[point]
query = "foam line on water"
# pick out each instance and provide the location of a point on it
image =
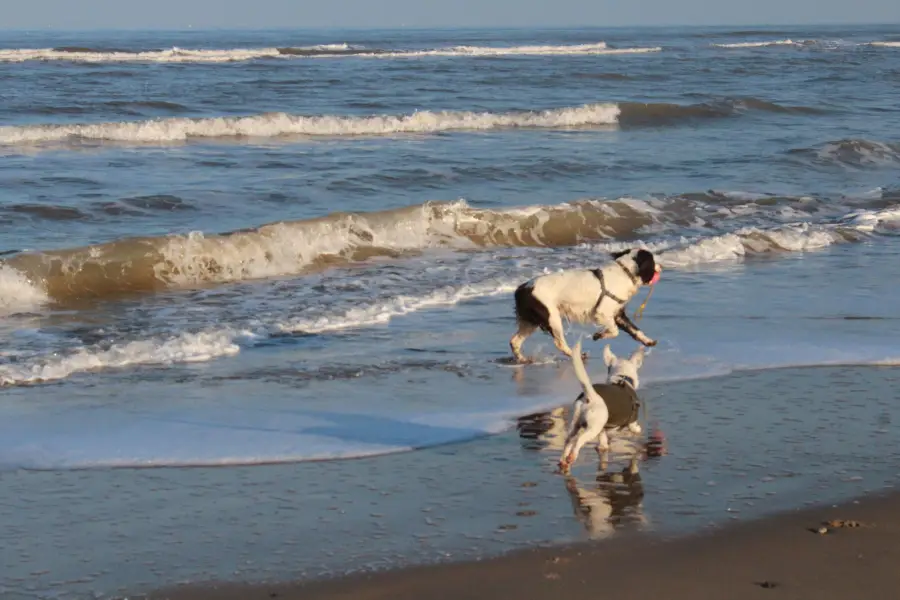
(200, 55)
(180, 348)
(281, 124)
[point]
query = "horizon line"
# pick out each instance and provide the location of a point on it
(182, 28)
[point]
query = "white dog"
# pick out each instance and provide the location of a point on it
(603, 406)
(595, 296)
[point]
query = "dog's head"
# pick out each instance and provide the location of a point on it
(644, 263)
(623, 370)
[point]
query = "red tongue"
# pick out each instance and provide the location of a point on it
(655, 278)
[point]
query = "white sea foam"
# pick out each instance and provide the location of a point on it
(184, 55)
(587, 49)
(762, 44)
(280, 124)
(209, 345)
(173, 55)
(894, 44)
(17, 294)
(181, 348)
(885, 221)
(801, 237)
(383, 312)
(859, 152)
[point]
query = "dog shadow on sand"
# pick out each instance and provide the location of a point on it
(613, 498)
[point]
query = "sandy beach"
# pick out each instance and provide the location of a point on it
(785, 556)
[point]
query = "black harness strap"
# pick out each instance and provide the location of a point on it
(605, 293)
(624, 380)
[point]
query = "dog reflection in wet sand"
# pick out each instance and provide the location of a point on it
(615, 501)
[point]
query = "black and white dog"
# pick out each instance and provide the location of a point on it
(595, 296)
(603, 407)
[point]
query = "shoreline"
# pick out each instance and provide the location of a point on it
(782, 554)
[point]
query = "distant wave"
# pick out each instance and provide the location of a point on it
(638, 113)
(586, 49)
(271, 125)
(178, 55)
(762, 44)
(282, 124)
(852, 152)
(895, 44)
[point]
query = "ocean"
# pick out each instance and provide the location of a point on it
(238, 247)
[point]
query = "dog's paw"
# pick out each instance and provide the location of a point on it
(585, 355)
(649, 343)
(598, 335)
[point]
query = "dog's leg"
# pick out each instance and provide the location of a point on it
(554, 321)
(603, 441)
(518, 338)
(609, 327)
(588, 433)
(631, 329)
(576, 423)
(603, 449)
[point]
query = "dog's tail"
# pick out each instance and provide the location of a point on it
(590, 394)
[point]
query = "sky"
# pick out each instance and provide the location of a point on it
(177, 14)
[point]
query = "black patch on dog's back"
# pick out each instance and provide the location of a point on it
(621, 401)
(646, 265)
(531, 310)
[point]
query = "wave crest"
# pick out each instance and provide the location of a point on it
(283, 124)
(200, 55)
(762, 44)
(273, 125)
(852, 152)
(307, 246)
(290, 248)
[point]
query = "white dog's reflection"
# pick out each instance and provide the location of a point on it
(614, 501)
(615, 498)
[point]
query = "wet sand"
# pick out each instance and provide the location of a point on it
(785, 556)
(737, 452)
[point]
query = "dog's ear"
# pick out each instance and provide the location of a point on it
(608, 357)
(646, 265)
(637, 357)
(618, 255)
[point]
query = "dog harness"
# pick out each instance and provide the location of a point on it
(621, 401)
(605, 293)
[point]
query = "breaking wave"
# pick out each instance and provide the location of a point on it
(185, 55)
(885, 44)
(852, 152)
(764, 44)
(273, 125)
(282, 124)
(754, 241)
(182, 348)
(684, 232)
(307, 246)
